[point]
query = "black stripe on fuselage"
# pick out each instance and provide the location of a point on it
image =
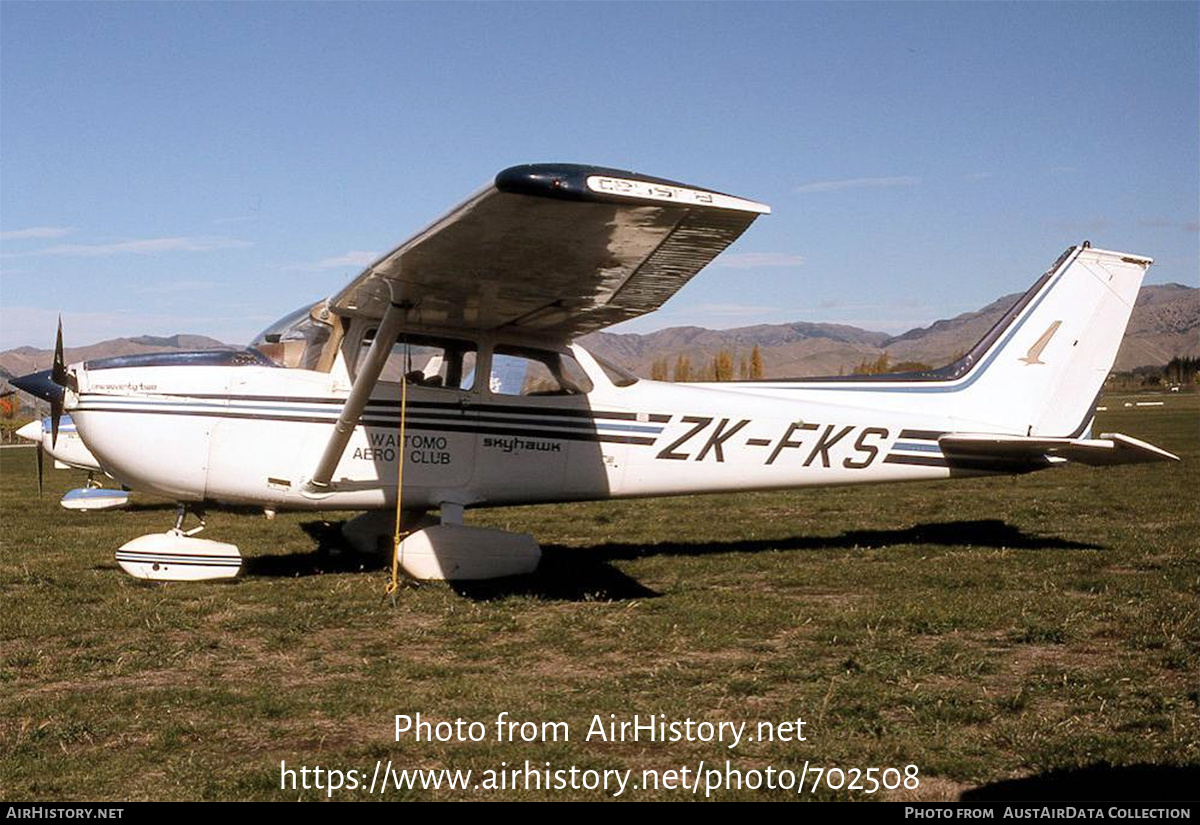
(653, 418)
(916, 460)
(921, 435)
(366, 421)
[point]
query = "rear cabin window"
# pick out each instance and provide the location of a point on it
(530, 372)
(426, 362)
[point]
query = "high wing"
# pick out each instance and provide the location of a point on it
(553, 249)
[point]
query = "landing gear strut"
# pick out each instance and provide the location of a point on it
(181, 513)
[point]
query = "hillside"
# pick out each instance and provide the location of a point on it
(24, 360)
(1165, 324)
(787, 349)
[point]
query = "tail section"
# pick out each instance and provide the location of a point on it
(1040, 370)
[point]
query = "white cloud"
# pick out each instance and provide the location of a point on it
(859, 183)
(147, 246)
(755, 260)
(354, 258)
(36, 232)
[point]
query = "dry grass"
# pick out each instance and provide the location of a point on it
(1043, 626)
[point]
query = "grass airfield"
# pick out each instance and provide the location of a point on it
(1025, 637)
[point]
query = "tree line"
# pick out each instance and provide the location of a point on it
(723, 366)
(729, 366)
(1180, 371)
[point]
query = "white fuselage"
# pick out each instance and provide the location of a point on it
(252, 434)
(538, 431)
(550, 423)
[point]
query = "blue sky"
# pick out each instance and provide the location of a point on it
(206, 167)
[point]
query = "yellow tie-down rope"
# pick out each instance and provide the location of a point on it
(394, 584)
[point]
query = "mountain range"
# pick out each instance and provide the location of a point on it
(24, 360)
(1165, 324)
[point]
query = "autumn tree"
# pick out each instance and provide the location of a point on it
(876, 367)
(658, 370)
(683, 368)
(757, 370)
(723, 366)
(10, 406)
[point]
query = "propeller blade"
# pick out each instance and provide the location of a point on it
(59, 373)
(40, 461)
(56, 411)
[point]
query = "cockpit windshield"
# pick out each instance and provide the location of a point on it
(296, 340)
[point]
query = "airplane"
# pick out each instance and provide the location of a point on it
(69, 452)
(444, 377)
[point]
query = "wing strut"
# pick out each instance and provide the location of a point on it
(364, 382)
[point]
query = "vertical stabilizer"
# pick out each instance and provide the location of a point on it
(1045, 368)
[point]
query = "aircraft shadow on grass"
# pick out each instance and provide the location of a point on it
(1101, 781)
(586, 573)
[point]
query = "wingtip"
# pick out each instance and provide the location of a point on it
(577, 181)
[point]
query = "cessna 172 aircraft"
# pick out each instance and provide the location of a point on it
(444, 377)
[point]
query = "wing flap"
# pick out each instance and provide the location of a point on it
(1013, 450)
(557, 250)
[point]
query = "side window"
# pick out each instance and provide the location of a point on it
(520, 371)
(426, 362)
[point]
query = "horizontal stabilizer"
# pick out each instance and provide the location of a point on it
(1109, 449)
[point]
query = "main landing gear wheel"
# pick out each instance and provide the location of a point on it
(177, 556)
